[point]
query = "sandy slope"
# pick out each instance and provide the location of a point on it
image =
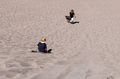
(88, 50)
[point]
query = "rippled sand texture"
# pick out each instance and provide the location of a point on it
(86, 50)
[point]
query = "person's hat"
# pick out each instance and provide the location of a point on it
(43, 39)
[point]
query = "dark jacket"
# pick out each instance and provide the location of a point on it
(72, 14)
(42, 47)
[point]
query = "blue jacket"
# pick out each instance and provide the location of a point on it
(42, 47)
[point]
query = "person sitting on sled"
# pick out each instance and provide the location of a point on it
(42, 46)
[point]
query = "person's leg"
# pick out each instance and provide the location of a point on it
(33, 50)
(42, 51)
(49, 51)
(45, 51)
(68, 18)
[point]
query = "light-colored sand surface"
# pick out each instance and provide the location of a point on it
(88, 50)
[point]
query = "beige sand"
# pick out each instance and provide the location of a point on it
(88, 50)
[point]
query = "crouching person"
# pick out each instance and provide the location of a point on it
(42, 46)
(72, 15)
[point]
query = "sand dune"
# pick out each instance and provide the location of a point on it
(88, 50)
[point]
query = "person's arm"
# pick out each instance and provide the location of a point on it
(45, 46)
